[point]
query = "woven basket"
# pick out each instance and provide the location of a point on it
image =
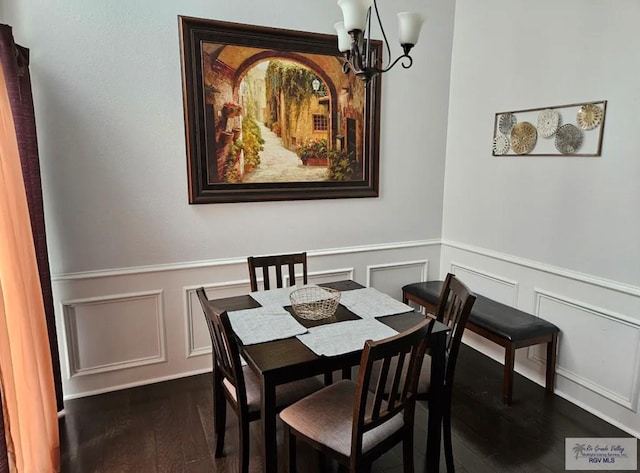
(314, 302)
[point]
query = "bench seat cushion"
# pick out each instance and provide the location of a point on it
(507, 322)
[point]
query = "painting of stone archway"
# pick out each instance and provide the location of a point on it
(271, 115)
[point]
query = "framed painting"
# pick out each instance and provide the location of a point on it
(270, 115)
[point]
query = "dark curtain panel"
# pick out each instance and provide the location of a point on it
(15, 63)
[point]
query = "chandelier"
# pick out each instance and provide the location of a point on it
(354, 37)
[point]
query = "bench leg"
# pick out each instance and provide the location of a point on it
(507, 382)
(552, 347)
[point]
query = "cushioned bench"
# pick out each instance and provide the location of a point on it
(500, 323)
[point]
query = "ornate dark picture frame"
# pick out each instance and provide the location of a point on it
(270, 115)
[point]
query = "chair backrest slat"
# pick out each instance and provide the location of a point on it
(276, 263)
(279, 275)
(380, 386)
(396, 394)
(292, 274)
(401, 353)
(265, 277)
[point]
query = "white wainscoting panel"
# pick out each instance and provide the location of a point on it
(198, 339)
(489, 285)
(598, 364)
(114, 332)
(132, 326)
(390, 277)
(319, 277)
(598, 350)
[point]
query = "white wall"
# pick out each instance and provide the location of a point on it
(557, 236)
(577, 213)
(108, 93)
(126, 249)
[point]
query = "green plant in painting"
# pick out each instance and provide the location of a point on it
(252, 141)
(290, 84)
(342, 165)
(231, 172)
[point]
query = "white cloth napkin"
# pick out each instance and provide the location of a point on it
(344, 337)
(264, 324)
(370, 303)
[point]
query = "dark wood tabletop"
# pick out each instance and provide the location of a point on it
(281, 361)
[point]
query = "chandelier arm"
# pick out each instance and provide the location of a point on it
(409, 64)
(346, 64)
(400, 58)
(356, 53)
(367, 42)
(384, 35)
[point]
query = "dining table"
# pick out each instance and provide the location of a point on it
(288, 359)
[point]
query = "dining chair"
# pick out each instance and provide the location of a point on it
(238, 385)
(276, 263)
(454, 307)
(354, 425)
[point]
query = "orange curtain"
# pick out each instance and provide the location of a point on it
(26, 375)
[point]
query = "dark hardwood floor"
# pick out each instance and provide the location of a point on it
(167, 427)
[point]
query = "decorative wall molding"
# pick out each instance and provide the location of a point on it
(511, 285)
(629, 401)
(233, 261)
(423, 264)
(72, 352)
(189, 295)
(142, 382)
(554, 270)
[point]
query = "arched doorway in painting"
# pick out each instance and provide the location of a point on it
(289, 100)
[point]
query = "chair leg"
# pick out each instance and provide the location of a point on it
(219, 421)
(324, 464)
(328, 378)
(364, 468)
(446, 434)
(289, 449)
(243, 454)
(407, 453)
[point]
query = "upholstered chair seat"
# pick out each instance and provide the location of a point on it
(326, 417)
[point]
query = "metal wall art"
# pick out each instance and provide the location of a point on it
(563, 130)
